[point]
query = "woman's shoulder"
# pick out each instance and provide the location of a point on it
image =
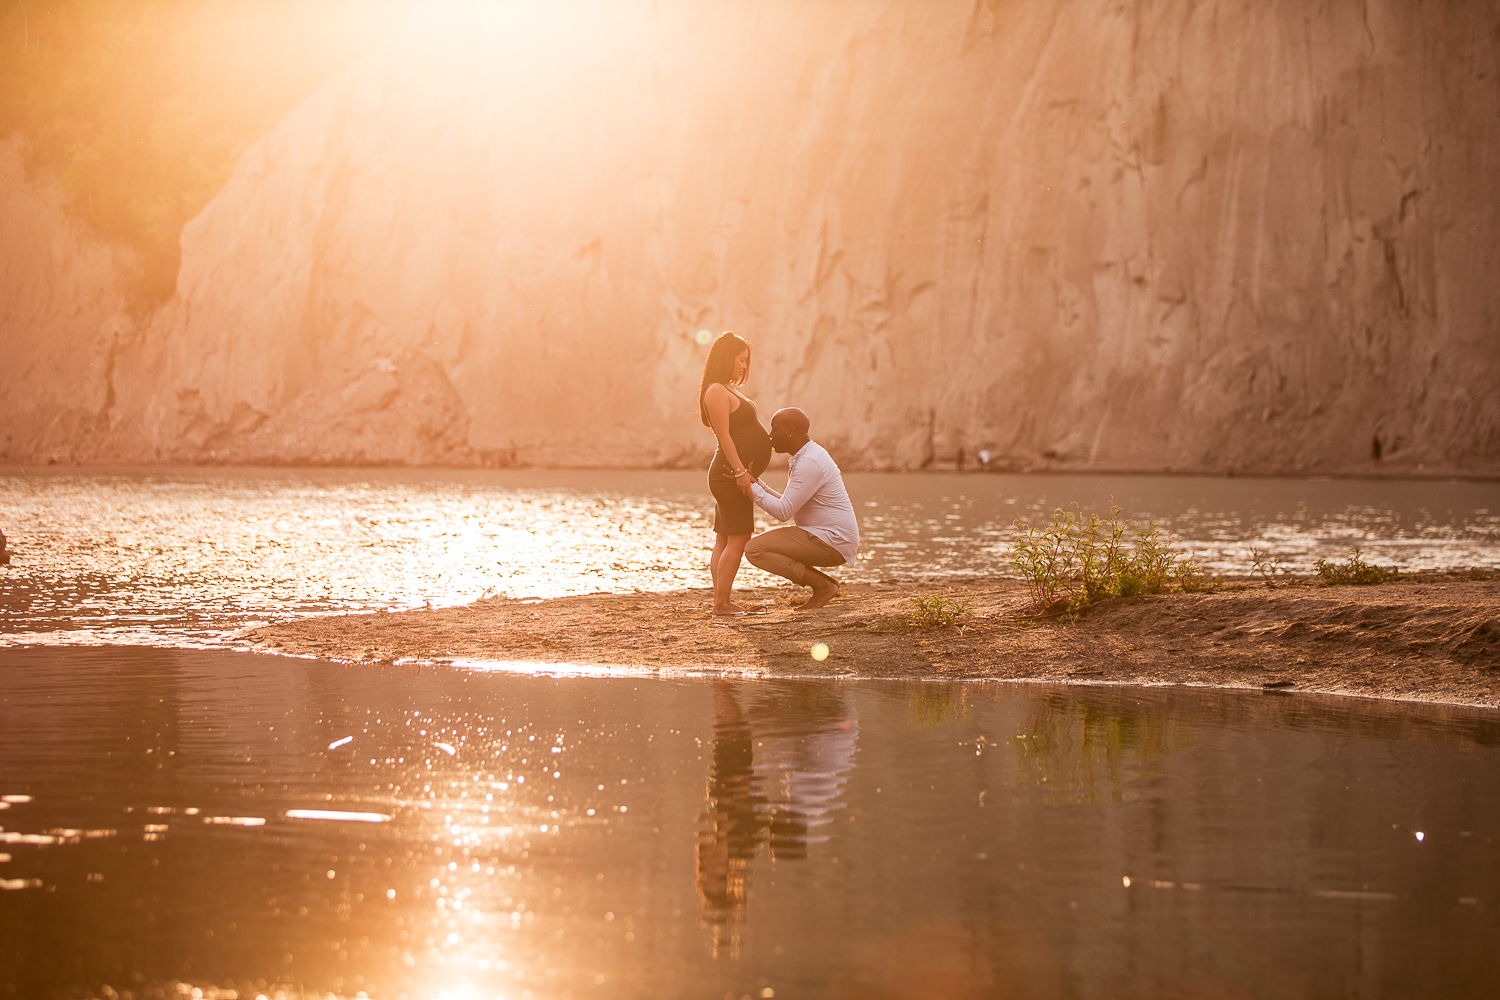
(719, 391)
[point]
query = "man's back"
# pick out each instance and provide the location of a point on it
(816, 499)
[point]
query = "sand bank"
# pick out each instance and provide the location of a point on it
(1433, 638)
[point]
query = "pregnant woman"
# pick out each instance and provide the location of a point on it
(744, 451)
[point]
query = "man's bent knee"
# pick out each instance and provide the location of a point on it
(778, 564)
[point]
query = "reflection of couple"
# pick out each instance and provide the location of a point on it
(781, 758)
(826, 533)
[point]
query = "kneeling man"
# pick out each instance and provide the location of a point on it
(826, 533)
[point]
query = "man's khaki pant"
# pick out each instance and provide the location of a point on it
(789, 552)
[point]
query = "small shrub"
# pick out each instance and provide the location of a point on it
(936, 610)
(1192, 580)
(1154, 566)
(1081, 559)
(1042, 556)
(1077, 605)
(1269, 566)
(1480, 574)
(1353, 570)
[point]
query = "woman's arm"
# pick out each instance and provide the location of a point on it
(716, 400)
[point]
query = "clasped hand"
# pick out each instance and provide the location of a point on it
(744, 483)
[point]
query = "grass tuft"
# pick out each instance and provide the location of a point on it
(1353, 570)
(1081, 559)
(1192, 580)
(936, 610)
(1268, 565)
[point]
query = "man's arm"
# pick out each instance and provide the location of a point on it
(804, 482)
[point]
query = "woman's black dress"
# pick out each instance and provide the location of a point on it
(734, 514)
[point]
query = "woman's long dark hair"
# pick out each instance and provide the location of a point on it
(720, 367)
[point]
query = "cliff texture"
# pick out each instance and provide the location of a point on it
(62, 315)
(1128, 235)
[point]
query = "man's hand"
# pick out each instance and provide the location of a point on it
(744, 483)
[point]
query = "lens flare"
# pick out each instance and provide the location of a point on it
(337, 815)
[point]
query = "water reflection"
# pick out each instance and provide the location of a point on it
(1074, 749)
(782, 753)
(236, 823)
(934, 705)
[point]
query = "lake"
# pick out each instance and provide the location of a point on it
(212, 823)
(184, 557)
(178, 819)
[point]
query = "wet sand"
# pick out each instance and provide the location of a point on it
(1428, 638)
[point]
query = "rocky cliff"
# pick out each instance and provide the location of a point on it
(1126, 235)
(62, 317)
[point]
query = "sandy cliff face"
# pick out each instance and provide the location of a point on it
(62, 320)
(1135, 235)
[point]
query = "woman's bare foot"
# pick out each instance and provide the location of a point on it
(729, 609)
(824, 589)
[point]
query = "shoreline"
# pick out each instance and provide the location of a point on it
(1433, 638)
(33, 464)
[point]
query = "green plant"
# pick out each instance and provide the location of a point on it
(936, 610)
(1077, 605)
(1042, 556)
(1081, 559)
(1353, 570)
(1269, 566)
(1192, 580)
(1479, 574)
(1153, 565)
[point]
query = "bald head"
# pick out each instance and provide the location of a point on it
(792, 419)
(789, 430)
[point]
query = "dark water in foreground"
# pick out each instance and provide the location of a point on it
(531, 837)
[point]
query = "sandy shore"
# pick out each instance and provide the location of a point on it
(1427, 638)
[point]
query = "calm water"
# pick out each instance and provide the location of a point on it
(533, 837)
(183, 557)
(183, 819)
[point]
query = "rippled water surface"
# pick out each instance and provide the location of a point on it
(239, 825)
(184, 556)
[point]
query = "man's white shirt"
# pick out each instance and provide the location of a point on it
(815, 497)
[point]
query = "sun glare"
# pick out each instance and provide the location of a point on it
(529, 41)
(140, 109)
(518, 21)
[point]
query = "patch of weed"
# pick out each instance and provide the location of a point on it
(1268, 565)
(1353, 570)
(936, 610)
(1480, 574)
(1077, 605)
(1081, 559)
